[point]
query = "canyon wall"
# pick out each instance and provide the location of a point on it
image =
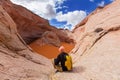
(96, 55)
(17, 60)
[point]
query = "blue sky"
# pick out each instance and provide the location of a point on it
(62, 13)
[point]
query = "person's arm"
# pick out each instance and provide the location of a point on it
(57, 60)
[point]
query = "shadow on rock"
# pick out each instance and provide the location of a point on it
(78, 69)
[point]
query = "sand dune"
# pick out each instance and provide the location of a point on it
(50, 51)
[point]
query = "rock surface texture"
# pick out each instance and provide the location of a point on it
(96, 55)
(17, 60)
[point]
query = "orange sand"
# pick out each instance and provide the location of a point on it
(50, 51)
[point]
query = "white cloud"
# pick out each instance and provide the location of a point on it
(50, 12)
(91, 0)
(44, 8)
(59, 2)
(111, 0)
(101, 4)
(72, 18)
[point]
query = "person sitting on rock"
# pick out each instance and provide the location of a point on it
(63, 62)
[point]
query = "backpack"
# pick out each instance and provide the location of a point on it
(68, 62)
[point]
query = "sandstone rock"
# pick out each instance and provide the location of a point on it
(69, 36)
(48, 37)
(17, 60)
(96, 54)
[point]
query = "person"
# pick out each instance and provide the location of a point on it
(63, 62)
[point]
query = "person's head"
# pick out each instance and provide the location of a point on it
(61, 49)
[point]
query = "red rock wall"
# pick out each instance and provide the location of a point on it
(16, 57)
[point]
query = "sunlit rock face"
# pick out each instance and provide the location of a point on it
(96, 55)
(17, 60)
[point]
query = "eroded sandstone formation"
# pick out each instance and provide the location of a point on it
(97, 52)
(95, 56)
(17, 60)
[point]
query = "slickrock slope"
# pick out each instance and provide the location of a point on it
(32, 27)
(97, 53)
(17, 61)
